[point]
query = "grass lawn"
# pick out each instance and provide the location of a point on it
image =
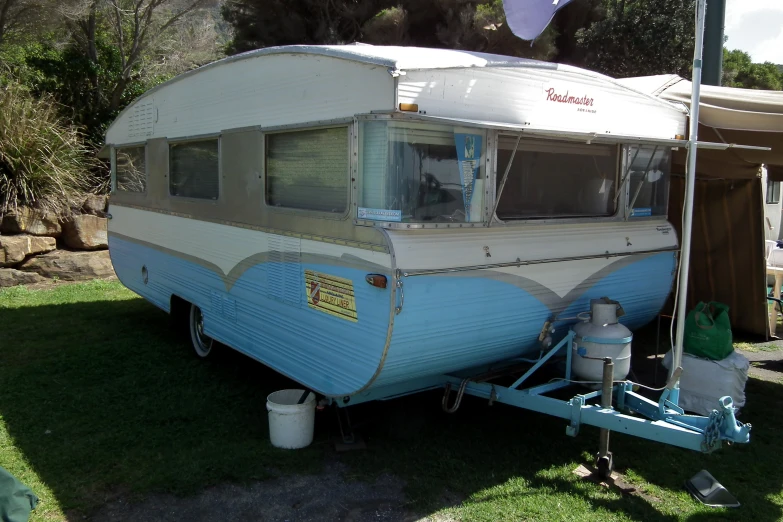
(98, 398)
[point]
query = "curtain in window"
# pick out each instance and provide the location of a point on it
(194, 169)
(308, 170)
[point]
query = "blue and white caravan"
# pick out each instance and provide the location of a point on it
(369, 221)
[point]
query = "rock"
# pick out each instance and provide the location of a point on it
(42, 244)
(70, 266)
(26, 220)
(85, 232)
(13, 249)
(95, 204)
(11, 277)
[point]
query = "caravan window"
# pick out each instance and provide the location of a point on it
(308, 170)
(648, 186)
(555, 179)
(130, 170)
(773, 192)
(421, 173)
(194, 169)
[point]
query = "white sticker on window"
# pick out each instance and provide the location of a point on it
(379, 214)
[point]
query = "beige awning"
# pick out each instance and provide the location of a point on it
(727, 245)
(730, 115)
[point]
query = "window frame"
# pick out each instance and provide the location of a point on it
(497, 175)
(349, 128)
(773, 200)
(195, 139)
(484, 170)
(113, 167)
(628, 195)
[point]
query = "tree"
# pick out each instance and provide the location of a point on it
(740, 71)
(640, 37)
(138, 28)
(104, 53)
(19, 16)
(454, 24)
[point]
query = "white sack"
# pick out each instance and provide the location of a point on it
(703, 381)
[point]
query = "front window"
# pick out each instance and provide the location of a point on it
(648, 187)
(421, 173)
(555, 179)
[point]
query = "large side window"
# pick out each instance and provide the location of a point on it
(308, 170)
(194, 169)
(648, 187)
(421, 173)
(551, 179)
(130, 169)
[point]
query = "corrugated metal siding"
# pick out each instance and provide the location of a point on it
(428, 249)
(518, 96)
(452, 321)
(189, 258)
(263, 91)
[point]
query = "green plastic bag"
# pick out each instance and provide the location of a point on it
(708, 331)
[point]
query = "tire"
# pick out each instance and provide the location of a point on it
(202, 343)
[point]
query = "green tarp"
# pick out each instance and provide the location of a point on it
(16, 499)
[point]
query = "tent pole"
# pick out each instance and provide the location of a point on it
(690, 182)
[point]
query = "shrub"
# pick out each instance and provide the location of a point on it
(44, 162)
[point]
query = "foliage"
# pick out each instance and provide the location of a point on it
(454, 24)
(739, 71)
(70, 77)
(43, 162)
(639, 37)
(19, 18)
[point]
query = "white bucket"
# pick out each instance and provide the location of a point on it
(290, 424)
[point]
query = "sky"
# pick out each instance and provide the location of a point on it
(756, 27)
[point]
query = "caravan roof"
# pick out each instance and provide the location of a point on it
(398, 58)
(301, 84)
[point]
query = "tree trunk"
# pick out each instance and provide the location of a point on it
(117, 92)
(6, 7)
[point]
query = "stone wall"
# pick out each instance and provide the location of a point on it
(37, 246)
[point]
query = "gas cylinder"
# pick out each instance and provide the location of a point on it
(598, 336)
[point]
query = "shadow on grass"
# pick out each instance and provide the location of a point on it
(103, 399)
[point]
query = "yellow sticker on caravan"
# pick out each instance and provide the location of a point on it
(331, 294)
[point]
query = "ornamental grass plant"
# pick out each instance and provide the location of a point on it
(44, 162)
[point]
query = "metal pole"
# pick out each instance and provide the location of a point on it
(690, 179)
(503, 181)
(604, 459)
(714, 24)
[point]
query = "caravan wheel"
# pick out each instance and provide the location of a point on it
(202, 343)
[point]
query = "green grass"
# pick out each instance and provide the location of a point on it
(757, 347)
(99, 399)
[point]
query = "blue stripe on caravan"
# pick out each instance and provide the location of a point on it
(447, 324)
(326, 353)
(450, 323)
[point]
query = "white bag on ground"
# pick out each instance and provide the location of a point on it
(703, 381)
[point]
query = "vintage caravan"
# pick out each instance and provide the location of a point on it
(374, 221)
(364, 219)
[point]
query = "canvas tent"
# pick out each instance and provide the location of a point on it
(727, 250)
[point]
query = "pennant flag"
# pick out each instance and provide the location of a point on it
(528, 18)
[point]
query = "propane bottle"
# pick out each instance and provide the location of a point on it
(598, 336)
